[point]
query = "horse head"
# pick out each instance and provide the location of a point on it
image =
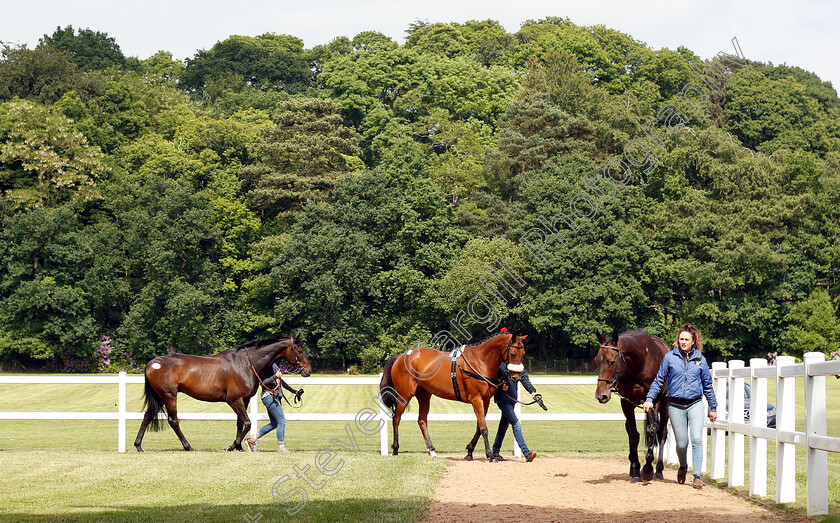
(296, 356)
(513, 355)
(608, 361)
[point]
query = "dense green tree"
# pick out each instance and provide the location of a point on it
(42, 74)
(169, 258)
(44, 311)
(535, 130)
(813, 325)
(440, 39)
(776, 108)
(301, 156)
(264, 61)
(44, 161)
(598, 270)
(163, 66)
(89, 50)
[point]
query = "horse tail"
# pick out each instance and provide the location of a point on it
(652, 428)
(152, 404)
(386, 386)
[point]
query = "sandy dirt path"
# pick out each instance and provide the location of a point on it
(568, 489)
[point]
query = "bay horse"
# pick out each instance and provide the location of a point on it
(467, 375)
(627, 365)
(232, 376)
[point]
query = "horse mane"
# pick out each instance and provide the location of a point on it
(633, 333)
(261, 341)
(485, 339)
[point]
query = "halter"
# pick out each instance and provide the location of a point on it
(614, 381)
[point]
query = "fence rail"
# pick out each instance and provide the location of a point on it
(728, 434)
(729, 429)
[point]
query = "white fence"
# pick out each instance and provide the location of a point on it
(814, 439)
(728, 433)
(122, 415)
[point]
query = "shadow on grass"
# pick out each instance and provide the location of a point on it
(441, 512)
(395, 508)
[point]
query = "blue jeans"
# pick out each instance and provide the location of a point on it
(509, 418)
(277, 420)
(683, 420)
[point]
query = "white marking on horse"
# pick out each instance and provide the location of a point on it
(156, 365)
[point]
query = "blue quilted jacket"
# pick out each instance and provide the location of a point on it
(688, 378)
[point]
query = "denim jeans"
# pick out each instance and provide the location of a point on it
(277, 420)
(509, 418)
(683, 421)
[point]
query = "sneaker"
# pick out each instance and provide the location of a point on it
(282, 448)
(252, 444)
(698, 484)
(681, 475)
(531, 456)
(499, 458)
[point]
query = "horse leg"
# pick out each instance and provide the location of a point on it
(147, 418)
(633, 437)
(423, 398)
(473, 442)
(480, 408)
(398, 412)
(651, 432)
(243, 423)
(171, 403)
(663, 433)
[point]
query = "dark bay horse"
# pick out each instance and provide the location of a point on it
(467, 375)
(627, 365)
(229, 376)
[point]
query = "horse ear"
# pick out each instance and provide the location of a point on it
(615, 335)
(600, 337)
(523, 338)
(297, 337)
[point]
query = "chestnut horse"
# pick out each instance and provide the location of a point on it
(627, 365)
(231, 376)
(468, 375)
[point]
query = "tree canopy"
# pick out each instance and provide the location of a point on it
(559, 180)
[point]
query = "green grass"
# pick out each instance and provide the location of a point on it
(70, 470)
(57, 485)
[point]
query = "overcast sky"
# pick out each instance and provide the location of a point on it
(805, 33)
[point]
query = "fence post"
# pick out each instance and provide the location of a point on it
(815, 424)
(758, 418)
(254, 413)
(785, 422)
(383, 429)
(718, 451)
(121, 412)
(736, 415)
(517, 409)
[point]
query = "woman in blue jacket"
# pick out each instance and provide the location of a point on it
(687, 373)
(271, 396)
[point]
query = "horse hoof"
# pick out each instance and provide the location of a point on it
(432, 453)
(468, 457)
(230, 448)
(647, 476)
(659, 475)
(635, 479)
(139, 449)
